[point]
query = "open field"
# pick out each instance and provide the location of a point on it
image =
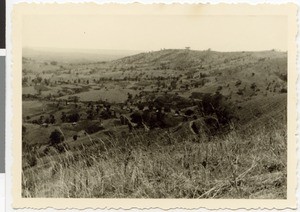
(116, 95)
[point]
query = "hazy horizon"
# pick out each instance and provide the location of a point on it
(82, 50)
(75, 55)
(78, 50)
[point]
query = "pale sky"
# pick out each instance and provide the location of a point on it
(137, 32)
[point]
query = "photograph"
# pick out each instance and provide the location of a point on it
(154, 105)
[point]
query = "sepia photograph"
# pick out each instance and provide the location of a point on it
(154, 106)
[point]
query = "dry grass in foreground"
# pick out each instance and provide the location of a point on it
(238, 165)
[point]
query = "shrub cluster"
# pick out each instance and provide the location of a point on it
(215, 105)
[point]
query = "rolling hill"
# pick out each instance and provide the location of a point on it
(99, 156)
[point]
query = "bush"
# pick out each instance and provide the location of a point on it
(216, 105)
(240, 92)
(136, 117)
(212, 125)
(56, 137)
(105, 114)
(253, 86)
(74, 117)
(189, 112)
(75, 137)
(283, 90)
(167, 109)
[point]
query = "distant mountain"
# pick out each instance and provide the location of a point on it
(75, 55)
(222, 64)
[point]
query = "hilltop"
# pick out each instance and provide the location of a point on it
(195, 58)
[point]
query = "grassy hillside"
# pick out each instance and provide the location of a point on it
(159, 165)
(177, 59)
